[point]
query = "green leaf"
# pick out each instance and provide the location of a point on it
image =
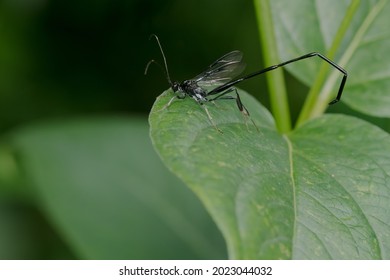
(305, 26)
(105, 190)
(15, 222)
(319, 192)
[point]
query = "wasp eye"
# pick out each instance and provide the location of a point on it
(175, 86)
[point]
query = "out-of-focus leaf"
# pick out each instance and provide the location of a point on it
(107, 193)
(306, 26)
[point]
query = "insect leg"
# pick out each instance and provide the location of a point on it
(240, 105)
(209, 117)
(171, 101)
(230, 84)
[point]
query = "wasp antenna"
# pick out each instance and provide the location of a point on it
(163, 55)
(147, 66)
(155, 62)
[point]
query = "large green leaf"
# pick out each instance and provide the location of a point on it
(107, 193)
(304, 26)
(320, 192)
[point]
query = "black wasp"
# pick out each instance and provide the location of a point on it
(216, 81)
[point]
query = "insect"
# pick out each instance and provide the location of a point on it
(217, 80)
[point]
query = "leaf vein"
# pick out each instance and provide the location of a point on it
(353, 199)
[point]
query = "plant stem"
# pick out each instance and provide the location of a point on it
(275, 81)
(319, 96)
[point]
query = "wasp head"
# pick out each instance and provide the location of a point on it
(175, 86)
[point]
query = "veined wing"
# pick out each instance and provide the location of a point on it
(222, 70)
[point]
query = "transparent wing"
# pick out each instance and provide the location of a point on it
(222, 70)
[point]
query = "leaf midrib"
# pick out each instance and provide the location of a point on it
(290, 158)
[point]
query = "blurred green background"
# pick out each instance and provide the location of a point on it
(61, 58)
(78, 175)
(79, 178)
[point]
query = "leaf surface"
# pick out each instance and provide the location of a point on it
(320, 192)
(310, 26)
